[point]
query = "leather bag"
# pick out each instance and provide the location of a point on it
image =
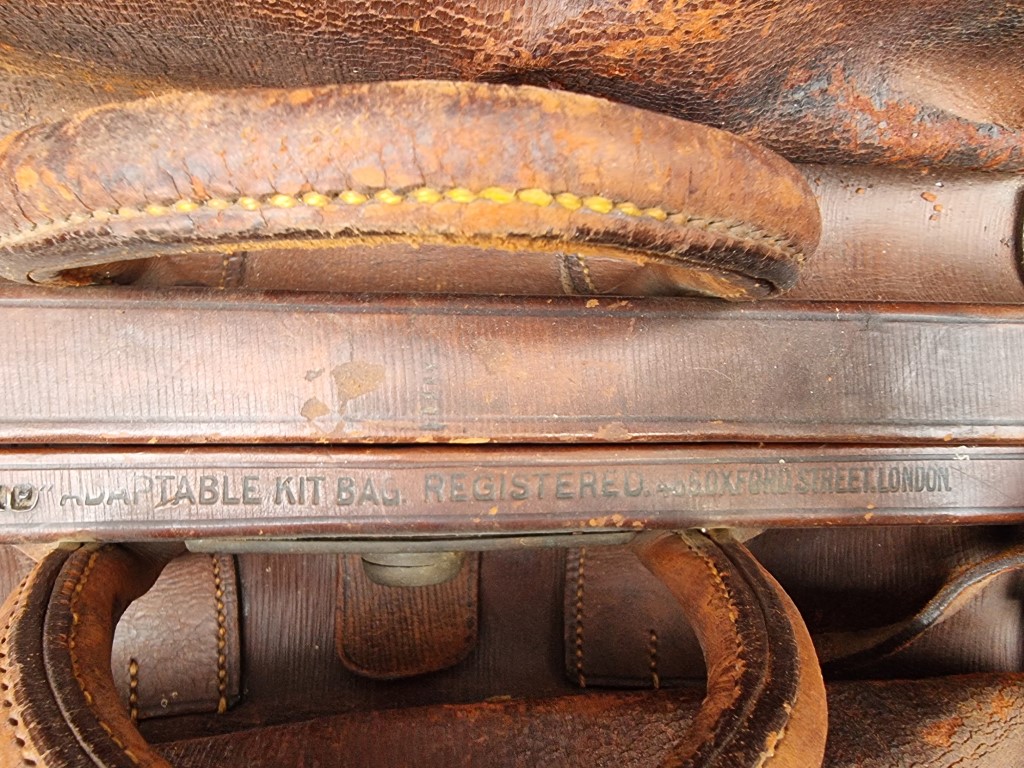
(370, 397)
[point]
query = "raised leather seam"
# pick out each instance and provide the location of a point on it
(222, 638)
(425, 196)
(80, 583)
(580, 583)
(737, 669)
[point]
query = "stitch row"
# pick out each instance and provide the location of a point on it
(222, 636)
(580, 677)
(430, 196)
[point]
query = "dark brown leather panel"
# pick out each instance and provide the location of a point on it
(775, 716)
(919, 83)
(891, 235)
(619, 627)
(254, 369)
(292, 670)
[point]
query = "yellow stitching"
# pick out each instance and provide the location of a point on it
(653, 652)
(133, 689)
(426, 195)
(315, 200)
(599, 204)
(460, 195)
(73, 655)
(351, 197)
(536, 197)
(388, 197)
(569, 201)
(283, 201)
(222, 639)
(429, 196)
(497, 195)
(585, 268)
(581, 678)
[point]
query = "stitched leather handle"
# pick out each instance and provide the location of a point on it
(507, 171)
(765, 704)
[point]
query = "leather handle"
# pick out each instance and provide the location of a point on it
(765, 705)
(440, 164)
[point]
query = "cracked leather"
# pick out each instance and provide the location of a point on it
(915, 83)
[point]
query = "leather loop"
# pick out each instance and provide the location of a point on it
(765, 703)
(393, 166)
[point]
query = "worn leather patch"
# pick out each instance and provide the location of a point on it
(176, 649)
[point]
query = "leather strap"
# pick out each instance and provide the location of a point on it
(386, 632)
(765, 704)
(846, 652)
(177, 649)
(508, 170)
(327, 370)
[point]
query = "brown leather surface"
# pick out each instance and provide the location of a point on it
(384, 632)
(507, 169)
(619, 626)
(239, 499)
(920, 83)
(176, 649)
(890, 235)
(172, 634)
(520, 649)
(958, 721)
(253, 369)
(62, 706)
(292, 669)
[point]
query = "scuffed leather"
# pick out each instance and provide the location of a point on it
(917, 83)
